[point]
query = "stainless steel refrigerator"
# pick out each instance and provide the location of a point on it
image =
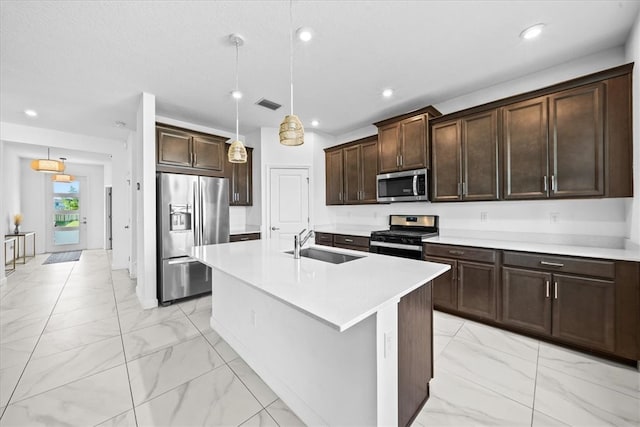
(192, 211)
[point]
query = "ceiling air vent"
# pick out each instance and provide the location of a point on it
(268, 104)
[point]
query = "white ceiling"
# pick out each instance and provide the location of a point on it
(83, 64)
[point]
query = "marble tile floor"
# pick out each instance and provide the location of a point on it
(77, 349)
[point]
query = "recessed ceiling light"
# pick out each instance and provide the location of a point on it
(315, 123)
(387, 93)
(304, 33)
(236, 94)
(31, 113)
(532, 32)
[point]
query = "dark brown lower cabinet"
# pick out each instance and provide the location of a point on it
(244, 237)
(415, 352)
(477, 289)
(470, 287)
(526, 302)
(445, 287)
(584, 311)
(574, 309)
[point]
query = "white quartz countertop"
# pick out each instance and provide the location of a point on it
(340, 295)
(545, 248)
(352, 230)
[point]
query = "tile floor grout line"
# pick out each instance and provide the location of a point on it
(36, 344)
(124, 351)
(205, 338)
(535, 386)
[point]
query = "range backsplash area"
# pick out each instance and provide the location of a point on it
(585, 222)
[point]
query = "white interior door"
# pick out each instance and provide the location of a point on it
(289, 204)
(66, 222)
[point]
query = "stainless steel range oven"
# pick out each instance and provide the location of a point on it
(405, 235)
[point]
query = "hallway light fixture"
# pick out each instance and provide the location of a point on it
(237, 151)
(47, 165)
(62, 177)
(291, 130)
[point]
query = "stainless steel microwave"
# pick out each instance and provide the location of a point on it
(407, 186)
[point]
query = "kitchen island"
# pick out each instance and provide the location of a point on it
(341, 344)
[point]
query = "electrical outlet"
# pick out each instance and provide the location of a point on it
(554, 217)
(388, 344)
(254, 320)
(484, 216)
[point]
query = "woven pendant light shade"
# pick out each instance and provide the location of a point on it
(47, 165)
(237, 152)
(62, 177)
(291, 131)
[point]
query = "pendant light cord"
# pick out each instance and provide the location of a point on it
(237, 86)
(291, 50)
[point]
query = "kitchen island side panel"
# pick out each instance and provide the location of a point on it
(325, 376)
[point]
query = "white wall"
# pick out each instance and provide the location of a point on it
(589, 221)
(632, 54)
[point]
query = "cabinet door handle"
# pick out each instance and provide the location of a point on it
(348, 240)
(195, 158)
(459, 189)
(397, 160)
(400, 159)
(454, 252)
(547, 289)
(553, 183)
(464, 189)
(340, 195)
(544, 182)
(555, 290)
(551, 264)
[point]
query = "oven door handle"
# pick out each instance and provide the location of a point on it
(396, 246)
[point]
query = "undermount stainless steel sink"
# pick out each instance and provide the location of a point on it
(326, 256)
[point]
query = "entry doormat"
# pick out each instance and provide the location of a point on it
(63, 257)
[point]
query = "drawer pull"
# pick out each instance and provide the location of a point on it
(348, 240)
(551, 264)
(454, 252)
(547, 289)
(244, 238)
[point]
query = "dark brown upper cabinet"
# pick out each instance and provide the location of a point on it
(185, 151)
(403, 142)
(573, 139)
(334, 176)
(465, 158)
(554, 145)
(240, 180)
(525, 147)
(351, 171)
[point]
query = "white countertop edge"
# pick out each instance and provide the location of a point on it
(340, 327)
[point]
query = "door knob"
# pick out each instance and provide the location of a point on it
(274, 228)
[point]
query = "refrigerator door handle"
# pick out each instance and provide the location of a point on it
(202, 242)
(196, 215)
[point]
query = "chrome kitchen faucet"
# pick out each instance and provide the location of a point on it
(299, 241)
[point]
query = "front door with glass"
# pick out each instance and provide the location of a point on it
(68, 231)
